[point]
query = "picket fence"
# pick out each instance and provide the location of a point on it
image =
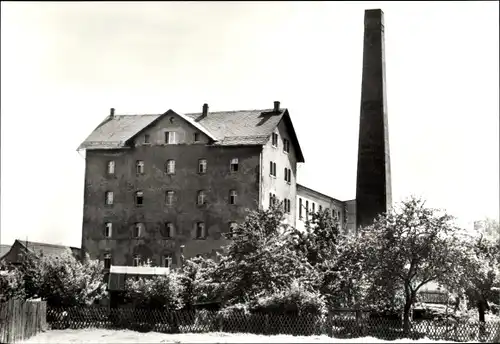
(20, 320)
(338, 324)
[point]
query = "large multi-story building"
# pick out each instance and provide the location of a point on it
(159, 184)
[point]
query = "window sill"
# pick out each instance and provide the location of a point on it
(170, 173)
(204, 238)
(202, 173)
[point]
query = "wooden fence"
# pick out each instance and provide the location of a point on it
(19, 319)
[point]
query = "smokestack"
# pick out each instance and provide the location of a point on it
(205, 109)
(373, 184)
(276, 106)
(111, 112)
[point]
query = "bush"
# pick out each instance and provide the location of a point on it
(295, 299)
(158, 292)
(11, 285)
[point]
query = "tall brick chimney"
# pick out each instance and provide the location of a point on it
(111, 112)
(205, 109)
(373, 184)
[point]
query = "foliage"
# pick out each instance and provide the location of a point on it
(157, 292)
(11, 284)
(294, 299)
(404, 249)
(197, 278)
(65, 281)
(259, 261)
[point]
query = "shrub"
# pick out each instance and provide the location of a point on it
(11, 285)
(295, 299)
(158, 292)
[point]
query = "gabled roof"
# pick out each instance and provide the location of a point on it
(225, 128)
(44, 249)
(4, 249)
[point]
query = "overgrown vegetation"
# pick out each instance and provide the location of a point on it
(271, 267)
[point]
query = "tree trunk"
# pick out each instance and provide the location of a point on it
(481, 307)
(406, 317)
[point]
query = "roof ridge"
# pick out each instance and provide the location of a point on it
(42, 243)
(229, 111)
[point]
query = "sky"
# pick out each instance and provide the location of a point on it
(64, 65)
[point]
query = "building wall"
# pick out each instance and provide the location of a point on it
(351, 215)
(154, 183)
(310, 197)
(277, 185)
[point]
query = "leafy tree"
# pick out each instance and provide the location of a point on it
(197, 278)
(259, 259)
(11, 284)
(406, 248)
(157, 292)
(65, 281)
(329, 252)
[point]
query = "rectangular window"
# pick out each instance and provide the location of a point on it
(200, 230)
(307, 210)
(108, 229)
(320, 208)
(109, 197)
(232, 197)
(289, 175)
(300, 208)
(272, 199)
(111, 167)
(107, 261)
(167, 261)
(169, 230)
(202, 197)
(233, 167)
(146, 138)
(286, 146)
(196, 137)
(314, 207)
(275, 140)
(137, 260)
(138, 229)
(139, 167)
(170, 137)
(169, 197)
(139, 198)
(170, 168)
(202, 166)
(272, 167)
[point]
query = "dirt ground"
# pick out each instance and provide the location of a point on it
(127, 336)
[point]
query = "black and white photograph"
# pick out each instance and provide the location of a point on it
(250, 171)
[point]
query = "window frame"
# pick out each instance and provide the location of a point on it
(110, 167)
(232, 163)
(203, 230)
(138, 227)
(169, 230)
(108, 229)
(202, 162)
(147, 139)
(170, 137)
(107, 259)
(167, 257)
(201, 194)
(167, 198)
(168, 165)
(233, 194)
(274, 140)
(286, 145)
(107, 199)
(136, 260)
(196, 137)
(139, 167)
(138, 197)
